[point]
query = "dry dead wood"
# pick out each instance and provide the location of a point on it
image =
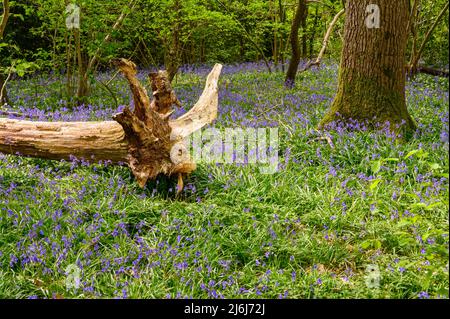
(144, 138)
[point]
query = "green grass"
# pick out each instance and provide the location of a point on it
(303, 232)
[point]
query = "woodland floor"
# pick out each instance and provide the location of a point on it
(311, 230)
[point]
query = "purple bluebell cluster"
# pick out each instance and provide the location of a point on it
(341, 200)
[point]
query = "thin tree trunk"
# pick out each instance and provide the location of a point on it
(241, 49)
(173, 58)
(68, 65)
(282, 20)
(84, 72)
(303, 25)
(418, 54)
(5, 17)
(372, 74)
(324, 44)
(295, 57)
(432, 71)
(273, 17)
(313, 33)
(83, 87)
(3, 92)
(250, 39)
(4, 20)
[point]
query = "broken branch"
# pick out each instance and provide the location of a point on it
(325, 43)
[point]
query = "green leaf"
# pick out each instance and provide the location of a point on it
(419, 154)
(426, 235)
(366, 244)
(404, 222)
(376, 166)
(411, 154)
(374, 184)
(371, 243)
(435, 166)
(422, 154)
(391, 159)
(414, 196)
(18, 15)
(443, 292)
(429, 207)
(377, 244)
(417, 206)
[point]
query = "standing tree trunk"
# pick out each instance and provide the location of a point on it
(282, 13)
(241, 49)
(83, 84)
(296, 54)
(173, 58)
(304, 31)
(274, 20)
(3, 93)
(4, 19)
(313, 33)
(84, 71)
(372, 71)
(413, 65)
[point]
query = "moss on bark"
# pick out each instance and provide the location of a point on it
(362, 98)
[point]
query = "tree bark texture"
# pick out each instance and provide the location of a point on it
(372, 77)
(299, 18)
(144, 138)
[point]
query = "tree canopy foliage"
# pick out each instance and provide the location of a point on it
(206, 31)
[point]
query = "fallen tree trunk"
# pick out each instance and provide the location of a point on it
(144, 138)
(61, 140)
(432, 71)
